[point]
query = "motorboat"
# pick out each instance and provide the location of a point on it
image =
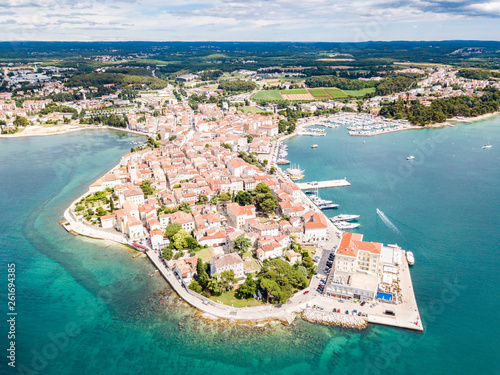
(327, 206)
(314, 146)
(282, 161)
(411, 157)
(345, 225)
(345, 217)
(487, 146)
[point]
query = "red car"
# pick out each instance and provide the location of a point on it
(306, 292)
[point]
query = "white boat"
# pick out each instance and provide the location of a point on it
(410, 258)
(282, 161)
(314, 146)
(345, 217)
(411, 157)
(487, 146)
(327, 206)
(345, 225)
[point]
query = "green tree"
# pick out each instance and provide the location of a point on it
(146, 188)
(20, 121)
(244, 198)
(202, 199)
(185, 206)
(242, 244)
(201, 271)
(180, 239)
(172, 230)
(167, 253)
(248, 288)
(227, 279)
(214, 287)
(224, 197)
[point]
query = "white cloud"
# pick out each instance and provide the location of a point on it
(236, 19)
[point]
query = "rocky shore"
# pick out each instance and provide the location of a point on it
(331, 318)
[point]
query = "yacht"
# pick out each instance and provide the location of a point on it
(410, 258)
(345, 225)
(327, 206)
(411, 157)
(345, 217)
(282, 161)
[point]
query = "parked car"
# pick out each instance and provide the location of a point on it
(306, 292)
(363, 303)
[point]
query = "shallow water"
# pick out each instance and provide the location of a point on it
(87, 306)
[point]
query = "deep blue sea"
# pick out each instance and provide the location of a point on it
(88, 307)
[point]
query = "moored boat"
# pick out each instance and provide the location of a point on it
(345, 217)
(410, 258)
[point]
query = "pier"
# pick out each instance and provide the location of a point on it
(323, 184)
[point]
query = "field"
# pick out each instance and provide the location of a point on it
(268, 95)
(336, 93)
(361, 92)
(319, 93)
(308, 94)
(294, 91)
(251, 110)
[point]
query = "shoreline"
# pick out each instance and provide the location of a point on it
(446, 123)
(298, 304)
(66, 129)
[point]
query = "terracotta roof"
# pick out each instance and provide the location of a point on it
(351, 243)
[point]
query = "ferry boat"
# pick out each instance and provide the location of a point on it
(282, 161)
(487, 146)
(345, 217)
(410, 258)
(411, 157)
(314, 146)
(345, 225)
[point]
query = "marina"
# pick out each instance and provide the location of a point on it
(358, 124)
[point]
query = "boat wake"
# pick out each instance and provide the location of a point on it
(387, 222)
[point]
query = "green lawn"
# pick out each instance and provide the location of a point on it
(205, 254)
(336, 93)
(361, 92)
(294, 91)
(251, 266)
(229, 298)
(251, 110)
(318, 93)
(267, 95)
(311, 250)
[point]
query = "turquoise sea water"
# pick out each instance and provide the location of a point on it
(87, 306)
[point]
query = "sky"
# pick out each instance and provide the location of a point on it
(249, 20)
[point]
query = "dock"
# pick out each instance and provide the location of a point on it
(323, 184)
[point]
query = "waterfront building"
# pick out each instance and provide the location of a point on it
(227, 262)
